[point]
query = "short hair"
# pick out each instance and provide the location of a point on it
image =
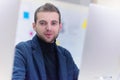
(47, 7)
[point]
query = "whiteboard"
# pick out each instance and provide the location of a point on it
(74, 21)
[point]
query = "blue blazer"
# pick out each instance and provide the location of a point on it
(29, 64)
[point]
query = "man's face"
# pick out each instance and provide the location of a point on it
(47, 26)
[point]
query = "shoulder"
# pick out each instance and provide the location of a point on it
(64, 52)
(23, 44)
(23, 47)
(69, 59)
(22, 50)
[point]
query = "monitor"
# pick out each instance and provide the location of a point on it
(101, 52)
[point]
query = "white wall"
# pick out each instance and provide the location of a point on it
(78, 2)
(109, 3)
(85, 2)
(8, 22)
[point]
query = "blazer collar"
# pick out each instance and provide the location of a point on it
(38, 57)
(62, 64)
(61, 60)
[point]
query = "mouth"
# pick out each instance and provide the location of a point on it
(48, 35)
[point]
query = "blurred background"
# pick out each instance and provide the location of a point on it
(90, 32)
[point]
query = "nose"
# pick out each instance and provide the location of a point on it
(48, 27)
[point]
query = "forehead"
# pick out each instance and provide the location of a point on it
(48, 16)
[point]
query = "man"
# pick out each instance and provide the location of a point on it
(40, 58)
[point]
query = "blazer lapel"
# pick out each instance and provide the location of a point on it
(39, 64)
(62, 65)
(37, 55)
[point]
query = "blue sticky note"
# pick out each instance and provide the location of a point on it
(26, 15)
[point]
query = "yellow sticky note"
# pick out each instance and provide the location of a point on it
(84, 25)
(57, 42)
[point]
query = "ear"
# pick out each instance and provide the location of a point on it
(34, 26)
(60, 26)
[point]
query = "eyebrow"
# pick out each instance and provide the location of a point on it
(55, 21)
(46, 21)
(42, 21)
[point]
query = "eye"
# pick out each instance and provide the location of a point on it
(43, 23)
(54, 23)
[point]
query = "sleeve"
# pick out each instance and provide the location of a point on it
(72, 66)
(76, 72)
(19, 64)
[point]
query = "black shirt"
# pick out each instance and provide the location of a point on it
(50, 59)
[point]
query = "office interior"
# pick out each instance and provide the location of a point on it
(102, 66)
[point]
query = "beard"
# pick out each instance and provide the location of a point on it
(47, 40)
